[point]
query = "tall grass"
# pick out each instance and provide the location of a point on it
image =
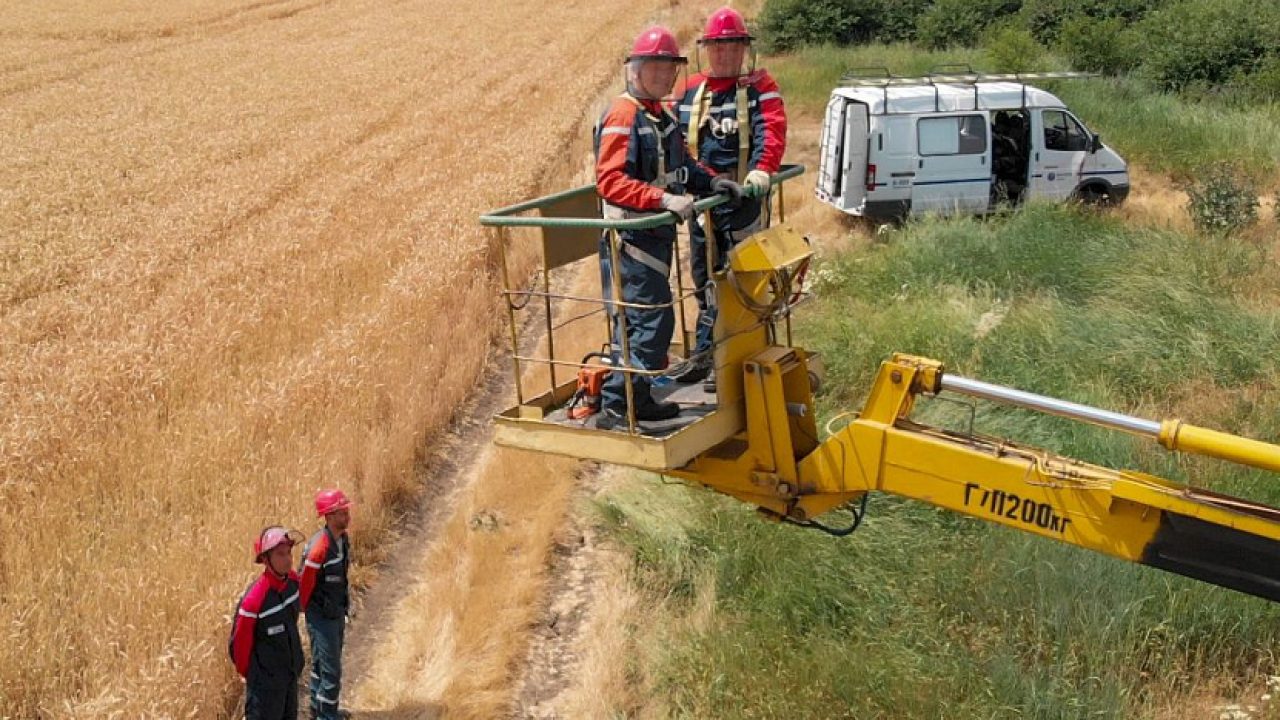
(1171, 134)
(926, 614)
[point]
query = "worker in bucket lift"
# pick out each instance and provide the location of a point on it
(734, 122)
(325, 600)
(264, 644)
(642, 168)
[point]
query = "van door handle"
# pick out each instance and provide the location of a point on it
(922, 163)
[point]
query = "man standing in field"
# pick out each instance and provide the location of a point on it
(325, 600)
(265, 645)
(642, 168)
(734, 122)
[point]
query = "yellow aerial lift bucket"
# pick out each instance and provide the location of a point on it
(750, 313)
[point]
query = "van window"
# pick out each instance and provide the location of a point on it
(1062, 132)
(956, 135)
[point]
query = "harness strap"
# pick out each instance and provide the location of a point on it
(699, 111)
(697, 115)
(646, 259)
(661, 180)
(744, 132)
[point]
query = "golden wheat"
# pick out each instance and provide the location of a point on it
(238, 262)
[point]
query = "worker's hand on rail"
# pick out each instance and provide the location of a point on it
(681, 205)
(757, 180)
(728, 187)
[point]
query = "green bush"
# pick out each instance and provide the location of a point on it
(1098, 44)
(1222, 200)
(1046, 18)
(952, 23)
(1262, 85)
(1202, 45)
(1013, 50)
(897, 20)
(790, 24)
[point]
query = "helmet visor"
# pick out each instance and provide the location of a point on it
(655, 78)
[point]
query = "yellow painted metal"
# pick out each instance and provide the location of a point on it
(1185, 437)
(773, 249)
(525, 427)
(779, 468)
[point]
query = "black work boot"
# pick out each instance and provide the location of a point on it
(653, 410)
(610, 419)
(709, 386)
(696, 372)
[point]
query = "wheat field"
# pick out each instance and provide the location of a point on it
(239, 261)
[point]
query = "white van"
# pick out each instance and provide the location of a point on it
(893, 147)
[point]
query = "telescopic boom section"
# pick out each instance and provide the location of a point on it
(1211, 537)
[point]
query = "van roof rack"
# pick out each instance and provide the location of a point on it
(947, 75)
(950, 74)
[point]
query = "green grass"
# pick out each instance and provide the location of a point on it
(1162, 132)
(925, 614)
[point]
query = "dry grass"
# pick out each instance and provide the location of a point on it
(629, 630)
(1155, 201)
(463, 624)
(458, 635)
(238, 262)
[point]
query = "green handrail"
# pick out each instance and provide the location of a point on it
(509, 216)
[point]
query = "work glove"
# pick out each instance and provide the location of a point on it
(681, 205)
(724, 185)
(757, 180)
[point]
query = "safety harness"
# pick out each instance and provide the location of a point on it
(700, 115)
(661, 181)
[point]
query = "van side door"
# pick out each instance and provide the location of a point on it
(1060, 145)
(953, 164)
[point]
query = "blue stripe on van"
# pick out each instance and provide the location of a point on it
(954, 182)
(1105, 172)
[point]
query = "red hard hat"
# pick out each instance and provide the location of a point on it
(270, 537)
(328, 501)
(657, 43)
(725, 24)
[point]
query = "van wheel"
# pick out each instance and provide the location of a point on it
(1094, 195)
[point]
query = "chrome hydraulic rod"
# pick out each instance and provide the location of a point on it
(1051, 406)
(1172, 434)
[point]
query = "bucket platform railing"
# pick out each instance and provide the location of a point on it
(571, 228)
